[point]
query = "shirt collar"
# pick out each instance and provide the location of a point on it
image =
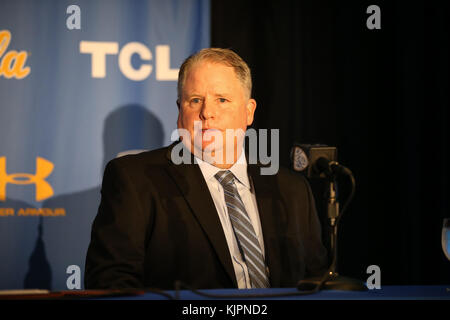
(239, 169)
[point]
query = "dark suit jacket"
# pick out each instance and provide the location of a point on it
(157, 223)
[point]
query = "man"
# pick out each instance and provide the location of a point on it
(216, 222)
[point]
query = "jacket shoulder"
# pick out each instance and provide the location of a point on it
(291, 177)
(156, 157)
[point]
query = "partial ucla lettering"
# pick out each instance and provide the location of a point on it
(12, 63)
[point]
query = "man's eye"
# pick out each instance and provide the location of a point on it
(195, 100)
(222, 100)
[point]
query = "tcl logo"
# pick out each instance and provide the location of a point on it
(99, 49)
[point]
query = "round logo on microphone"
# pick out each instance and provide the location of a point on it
(300, 159)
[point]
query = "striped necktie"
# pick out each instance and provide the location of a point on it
(243, 230)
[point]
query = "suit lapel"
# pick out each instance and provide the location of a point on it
(192, 185)
(265, 193)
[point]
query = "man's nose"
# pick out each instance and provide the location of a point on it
(207, 110)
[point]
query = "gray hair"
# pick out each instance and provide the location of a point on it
(217, 55)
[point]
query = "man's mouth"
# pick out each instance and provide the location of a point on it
(211, 130)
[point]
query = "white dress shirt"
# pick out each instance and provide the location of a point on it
(239, 169)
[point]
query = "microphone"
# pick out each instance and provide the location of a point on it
(330, 167)
(319, 160)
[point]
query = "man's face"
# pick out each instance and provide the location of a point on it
(213, 95)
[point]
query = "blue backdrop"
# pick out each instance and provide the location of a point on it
(78, 86)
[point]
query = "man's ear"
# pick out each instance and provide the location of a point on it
(251, 107)
(178, 104)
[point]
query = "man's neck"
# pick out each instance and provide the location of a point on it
(239, 157)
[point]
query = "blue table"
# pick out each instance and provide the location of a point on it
(385, 293)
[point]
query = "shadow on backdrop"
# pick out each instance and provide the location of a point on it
(24, 262)
(39, 273)
(130, 127)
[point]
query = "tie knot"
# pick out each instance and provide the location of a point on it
(225, 177)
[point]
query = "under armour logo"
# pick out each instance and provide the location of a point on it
(43, 169)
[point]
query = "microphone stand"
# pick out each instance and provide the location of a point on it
(332, 281)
